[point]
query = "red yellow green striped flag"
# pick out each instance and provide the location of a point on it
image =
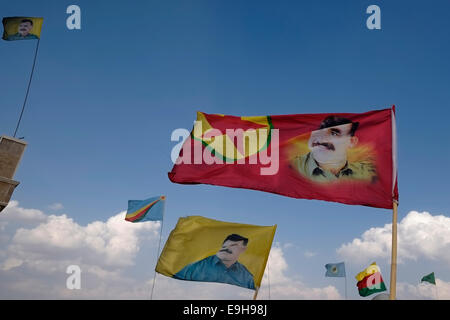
(370, 281)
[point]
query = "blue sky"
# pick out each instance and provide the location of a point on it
(105, 99)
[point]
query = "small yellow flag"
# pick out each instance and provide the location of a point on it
(202, 249)
(22, 28)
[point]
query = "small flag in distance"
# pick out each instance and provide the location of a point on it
(429, 278)
(370, 281)
(151, 209)
(335, 269)
(22, 28)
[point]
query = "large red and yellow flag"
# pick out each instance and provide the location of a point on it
(343, 157)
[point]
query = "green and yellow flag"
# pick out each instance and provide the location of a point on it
(22, 28)
(202, 249)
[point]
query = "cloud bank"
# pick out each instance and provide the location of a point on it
(36, 249)
(420, 236)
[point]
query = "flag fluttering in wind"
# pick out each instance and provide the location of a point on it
(429, 278)
(370, 281)
(151, 209)
(335, 269)
(202, 249)
(22, 28)
(341, 157)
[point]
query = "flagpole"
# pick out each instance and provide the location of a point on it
(437, 297)
(256, 293)
(268, 277)
(28, 88)
(157, 253)
(393, 287)
(345, 278)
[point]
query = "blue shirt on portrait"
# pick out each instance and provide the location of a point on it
(212, 269)
(18, 36)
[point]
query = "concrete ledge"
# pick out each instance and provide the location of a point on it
(6, 191)
(9, 181)
(13, 139)
(11, 151)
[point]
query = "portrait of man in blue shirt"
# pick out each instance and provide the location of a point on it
(221, 267)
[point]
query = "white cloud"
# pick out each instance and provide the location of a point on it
(276, 266)
(288, 245)
(288, 288)
(423, 290)
(11, 263)
(15, 213)
(309, 254)
(281, 285)
(35, 252)
(34, 257)
(112, 243)
(420, 236)
(33, 262)
(56, 206)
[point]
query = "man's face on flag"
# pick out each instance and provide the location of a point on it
(230, 251)
(330, 145)
(25, 28)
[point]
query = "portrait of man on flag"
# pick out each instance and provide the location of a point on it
(207, 250)
(223, 266)
(327, 159)
(22, 28)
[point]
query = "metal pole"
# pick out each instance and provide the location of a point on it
(256, 293)
(345, 287)
(157, 254)
(393, 287)
(268, 277)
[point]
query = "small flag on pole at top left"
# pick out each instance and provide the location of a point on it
(151, 209)
(22, 28)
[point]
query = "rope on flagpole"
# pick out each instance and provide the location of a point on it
(28, 88)
(157, 254)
